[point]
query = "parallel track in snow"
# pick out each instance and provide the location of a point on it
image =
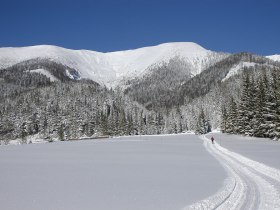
(250, 185)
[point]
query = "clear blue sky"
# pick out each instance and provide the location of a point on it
(110, 25)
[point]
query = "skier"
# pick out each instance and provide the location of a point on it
(212, 139)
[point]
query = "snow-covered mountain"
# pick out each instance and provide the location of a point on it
(163, 89)
(274, 57)
(112, 67)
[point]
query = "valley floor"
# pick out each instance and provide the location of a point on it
(147, 172)
(259, 149)
(250, 184)
(143, 172)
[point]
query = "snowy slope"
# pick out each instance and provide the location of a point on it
(109, 68)
(274, 57)
(238, 68)
(46, 73)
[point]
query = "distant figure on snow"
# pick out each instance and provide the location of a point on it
(212, 139)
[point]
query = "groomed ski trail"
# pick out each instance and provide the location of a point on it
(250, 185)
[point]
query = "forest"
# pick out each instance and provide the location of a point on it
(257, 112)
(167, 100)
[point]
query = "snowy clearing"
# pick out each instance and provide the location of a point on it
(46, 73)
(251, 185)
(147, 172)
(236, 69)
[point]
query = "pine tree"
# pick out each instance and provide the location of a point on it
(24, 132)
(250, 130)
(90, 128)
(276, 93)
(268, 109)
(243, 117)
(104, 123)
(123, 123)
(61, 135)
(202, 124)
(159, 122)
(224, 123)
(179, 119)
(232, 123)
(259, 120)
(129, 130)
(142, 121)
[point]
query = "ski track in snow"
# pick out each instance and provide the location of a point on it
(250, 185)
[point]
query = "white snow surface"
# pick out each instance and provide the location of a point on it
(147, 172)
(274, 57)
(46, 73)
(143, 172)
(237, 68)
(111, 67)
(250, 185)
(262, 150)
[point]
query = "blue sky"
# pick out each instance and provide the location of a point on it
(110, 25)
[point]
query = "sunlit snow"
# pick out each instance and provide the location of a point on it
(108, 68)
(46, 73)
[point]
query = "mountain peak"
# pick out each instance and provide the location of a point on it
(191, 46)
(108, 68)
(274, 57)
(172, 47)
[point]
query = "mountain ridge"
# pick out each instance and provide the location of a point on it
(275, 57)
(111, 67)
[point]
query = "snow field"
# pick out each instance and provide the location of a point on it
(141, 172)
(256, 185)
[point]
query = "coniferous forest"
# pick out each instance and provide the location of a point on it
(257, 112)
(167, 100)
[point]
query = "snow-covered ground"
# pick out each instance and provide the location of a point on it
(147, 172)
(250, 184)
(143, 172)
(259, 149)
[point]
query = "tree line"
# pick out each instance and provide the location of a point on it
(257, 112)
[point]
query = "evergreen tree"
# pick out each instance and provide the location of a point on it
(24, 132)
(202, 123)
(224, 123)
(232, 122)
(269, 109)
(104, 124)
(259, 119)
(61, 135)
(276, 93)
(250, 129)
(243, 117)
